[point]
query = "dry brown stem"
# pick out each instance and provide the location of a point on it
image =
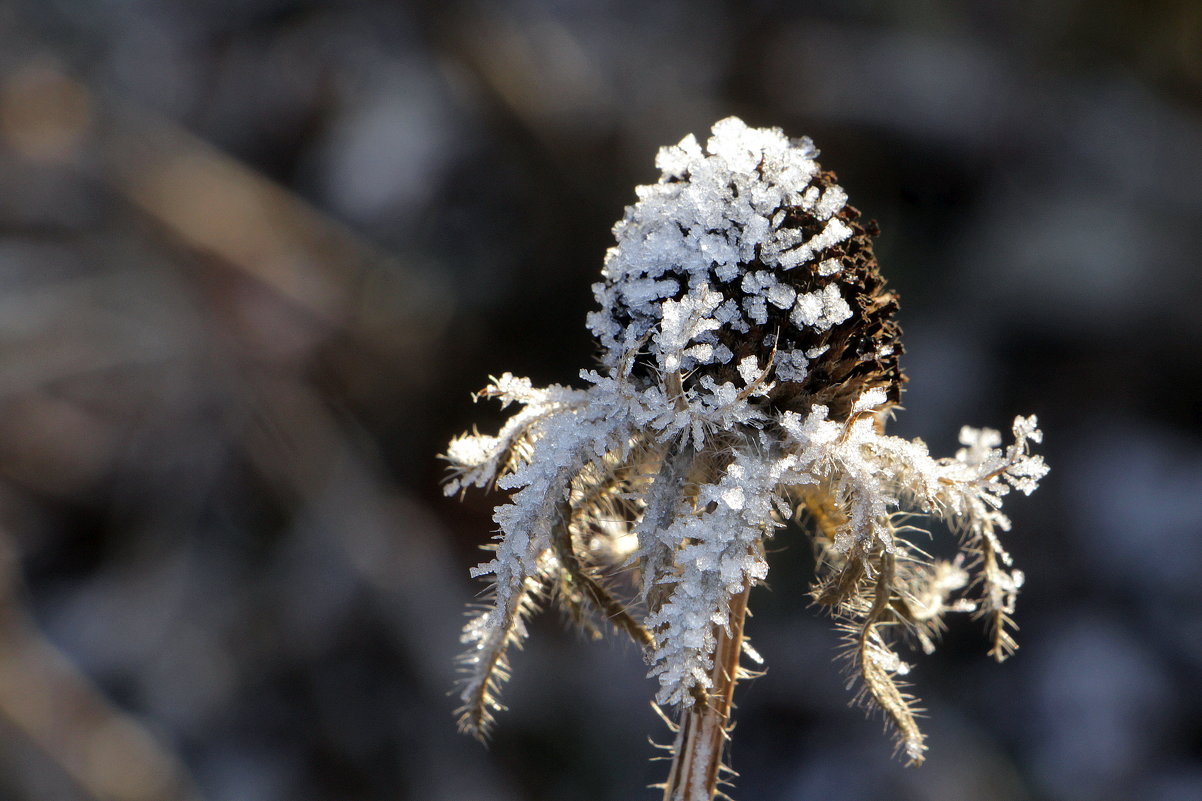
(701, 739)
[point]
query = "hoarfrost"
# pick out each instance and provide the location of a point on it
(701, 462)
(792, 365)
(821, 308)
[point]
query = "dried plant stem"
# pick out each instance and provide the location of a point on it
(487, 663)
(996, 611)
(874, 657)
(701, 739)
(613, 609)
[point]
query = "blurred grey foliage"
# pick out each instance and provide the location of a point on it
(249, 250)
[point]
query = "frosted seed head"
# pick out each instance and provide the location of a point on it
(744, 245)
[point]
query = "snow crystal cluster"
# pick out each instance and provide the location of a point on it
(749, 358)
(743, 250)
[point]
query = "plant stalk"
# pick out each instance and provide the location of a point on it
(701, 738)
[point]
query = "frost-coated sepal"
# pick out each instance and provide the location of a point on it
(749, 362)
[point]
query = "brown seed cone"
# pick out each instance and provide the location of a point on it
(861, 353)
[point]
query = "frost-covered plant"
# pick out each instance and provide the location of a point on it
(749, 360)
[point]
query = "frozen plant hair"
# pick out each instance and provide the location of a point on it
(749, 361)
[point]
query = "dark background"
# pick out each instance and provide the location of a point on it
(255, 255)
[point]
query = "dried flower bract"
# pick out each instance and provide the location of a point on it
(749, 359)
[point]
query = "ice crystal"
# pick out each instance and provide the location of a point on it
(749, 360)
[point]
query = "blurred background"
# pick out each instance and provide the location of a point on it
(256, 254)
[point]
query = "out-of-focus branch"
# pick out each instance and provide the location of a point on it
(325, 274)
(216, 205)
(105, 751)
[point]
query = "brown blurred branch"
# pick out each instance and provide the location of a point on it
(219, 206)
(106, 752)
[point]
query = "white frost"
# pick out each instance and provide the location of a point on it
(700, 469)
(820, 309)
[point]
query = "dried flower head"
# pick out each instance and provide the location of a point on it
(749, 358)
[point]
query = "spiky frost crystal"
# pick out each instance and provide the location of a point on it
(748, 358)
